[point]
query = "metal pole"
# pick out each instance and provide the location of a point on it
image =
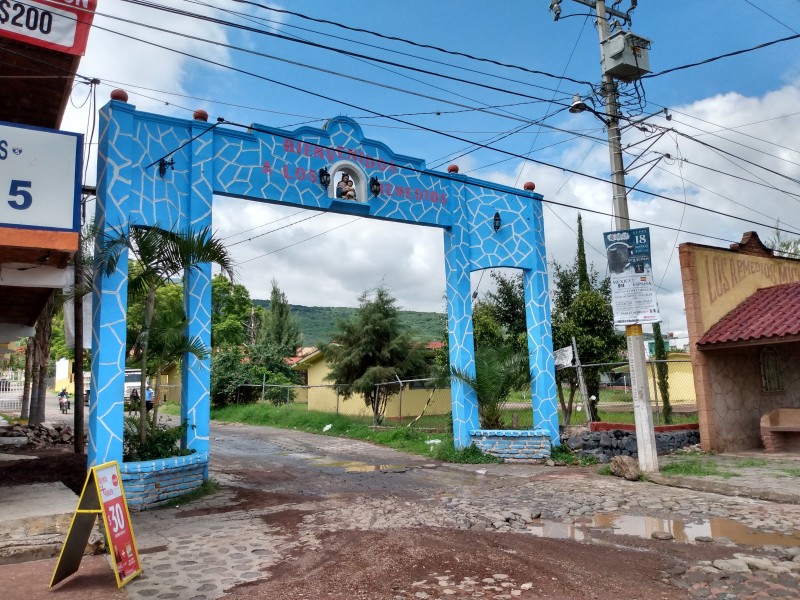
(263, 385)
(400, 401)
(581, 381)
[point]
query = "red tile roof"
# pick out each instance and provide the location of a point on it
(772, 312)
(302, 352)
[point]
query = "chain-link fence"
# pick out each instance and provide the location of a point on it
(609, 383)
(609, 386)
(406, 400)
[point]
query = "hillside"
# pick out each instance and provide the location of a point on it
(319, 322)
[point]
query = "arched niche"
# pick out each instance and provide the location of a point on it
(357, 176)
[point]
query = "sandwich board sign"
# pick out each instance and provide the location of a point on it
(102, 495)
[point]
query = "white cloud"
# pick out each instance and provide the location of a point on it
(334, 268)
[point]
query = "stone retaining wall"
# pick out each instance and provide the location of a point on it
(151, 483)
(604, 444)
(513, 445)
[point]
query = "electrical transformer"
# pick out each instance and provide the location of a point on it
(626, 56)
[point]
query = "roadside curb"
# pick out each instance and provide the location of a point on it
(725, 489)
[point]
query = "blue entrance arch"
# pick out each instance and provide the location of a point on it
(158, 170)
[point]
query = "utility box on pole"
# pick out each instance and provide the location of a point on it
(625, 56)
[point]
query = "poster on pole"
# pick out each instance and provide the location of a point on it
(563, 357)
(633, 293)
(102, 495)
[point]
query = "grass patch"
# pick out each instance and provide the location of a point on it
(471, 455)
(170, 408)
(13, 419)
(790, 472)
(209, 487)
(604, 470)
(743, 463)
(298, 417)
(563, 454)
(695, 467)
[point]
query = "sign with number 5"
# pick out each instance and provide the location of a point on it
(39, 177)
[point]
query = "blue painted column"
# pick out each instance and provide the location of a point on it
(110, 294)
(196, 373)
(540, 342)
(459, 325)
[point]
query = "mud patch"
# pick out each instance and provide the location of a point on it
(247, 499)
(286, 519)
(405, 562)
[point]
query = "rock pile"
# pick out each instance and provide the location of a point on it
(35, 436)
(605, 444)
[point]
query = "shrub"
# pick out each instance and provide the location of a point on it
(162, 441)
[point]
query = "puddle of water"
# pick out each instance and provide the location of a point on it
(644, 527)
(360, 467)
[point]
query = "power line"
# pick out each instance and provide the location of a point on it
(412, 43)
(721, 56)
(431, 130)
(488, 185)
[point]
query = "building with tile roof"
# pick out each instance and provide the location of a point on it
(743, 315)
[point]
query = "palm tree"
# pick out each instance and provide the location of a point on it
(167, 344)
(499, 371)
(160, 256)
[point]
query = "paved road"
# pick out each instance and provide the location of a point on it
(300, 515)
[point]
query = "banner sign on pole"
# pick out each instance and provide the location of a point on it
(61, 25)
(563, 357)
(633, 295)
(102, 495)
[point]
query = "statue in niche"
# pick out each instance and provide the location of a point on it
(345, 188)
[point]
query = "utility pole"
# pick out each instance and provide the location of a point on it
(620, 198)
(643, 414)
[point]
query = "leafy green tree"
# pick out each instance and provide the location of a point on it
(168, 340)
(372, 348)
(585, 313)
(487, 330)
(238, 371)
(280, 328)
(161, 256)
(508, 307)
(232, 313)
(662, 373)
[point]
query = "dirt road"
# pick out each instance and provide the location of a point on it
(357, 521)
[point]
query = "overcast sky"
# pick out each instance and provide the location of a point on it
(732, 142)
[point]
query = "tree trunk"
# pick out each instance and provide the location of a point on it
(28, 380)
(149, 310)
(34, 391)
(44, 326)
(155, 398)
